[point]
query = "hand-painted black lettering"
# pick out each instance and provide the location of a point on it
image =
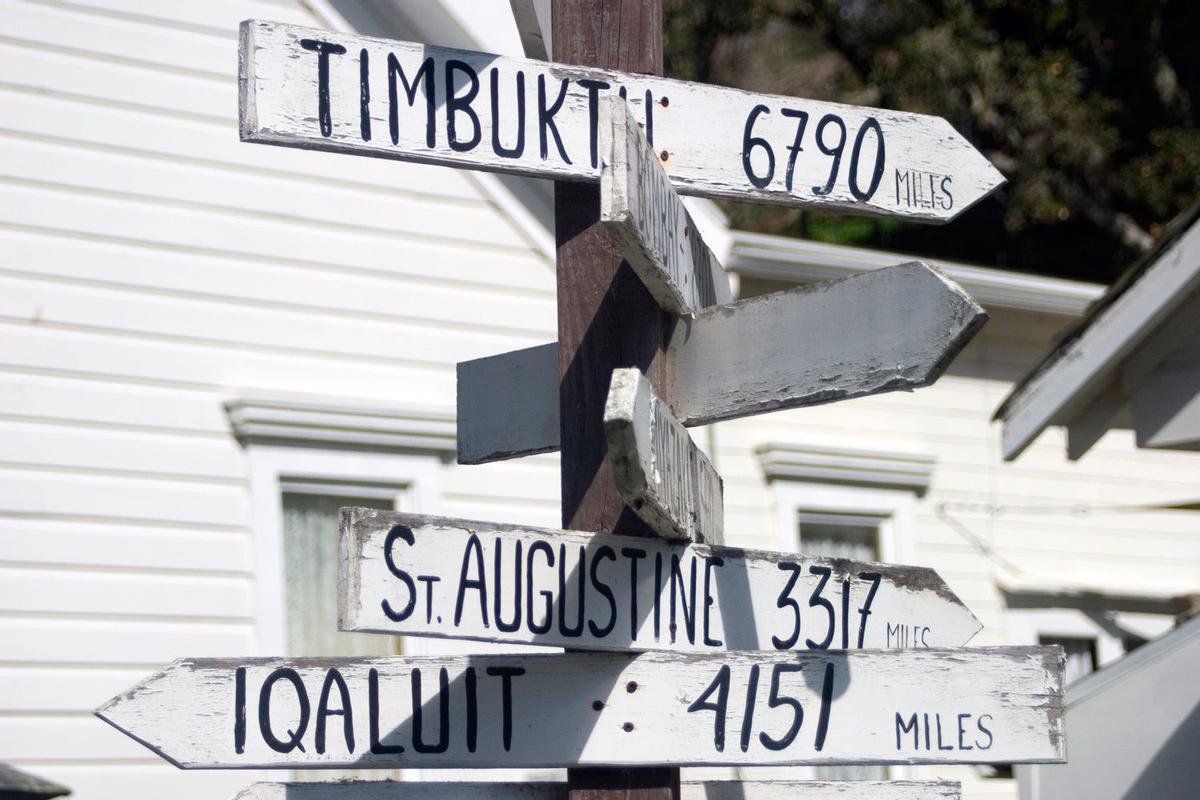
(546, 119)
(835, 151)
(795, 147)
(720, 685)
(516, 150)
(461, 104)
(902, 727)
(364, 95)
(948, 202)
(785, 600)
(429, 581)
(264, 711)
(498, 588)
(689, 606)
(748, 714)
(826, 707)
(648, 106)
(405, 533)
(479, 584)
(864, 610)
(775, 699)
(377, 747)
(471, 683)
(538, 546)
(924, 631)
(443, 742)
(593, 89)
(506, 674)
(633, 554)
(323, 51)
(410, 91)
(345, 710)
(603, 552)
(710, 563)
(657, 593)
(984, 729)
(845, 614)
(871, 124)
(927, 729)
(749, 143)
(938, 720)
(239, 710)
(816, 600)
(575, 631)
(962, 745)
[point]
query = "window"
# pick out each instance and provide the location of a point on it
(840, 535)
(1081, 655)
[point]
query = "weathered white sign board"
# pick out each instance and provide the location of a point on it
(328, 90)
(890, 329)
(660, 472)
(688, 790)
(991, 705)
(654, 230)
(451, 578)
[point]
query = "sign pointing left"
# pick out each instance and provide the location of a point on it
(990, 705)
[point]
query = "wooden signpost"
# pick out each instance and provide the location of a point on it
(431, 576)
(708, 790)
(661, 473)
(987, 705)
(751, 658)
(788, 349)
(688, 791)
(339, 92)
(656, 233)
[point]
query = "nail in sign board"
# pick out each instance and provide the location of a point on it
(688, 790)
(654, 230)
(327, 90)
(459, 579)
(660, 472)
(889, 329)
(991, 705)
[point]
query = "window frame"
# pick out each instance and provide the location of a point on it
(894, 508)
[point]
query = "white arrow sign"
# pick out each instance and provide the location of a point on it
(452, 578)
(992, 705)
(334, 91)
(649, 221)
(708, 790)
(658, 469)
(890, 329)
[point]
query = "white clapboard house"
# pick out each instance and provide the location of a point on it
(209, 346)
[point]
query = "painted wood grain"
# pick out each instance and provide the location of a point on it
(893, 329)
(432, 576)
(302, 87)
(661, 473)
(656, 233)
(987, 705)
(689, 790)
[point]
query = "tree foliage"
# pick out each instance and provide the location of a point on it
(1088, 107)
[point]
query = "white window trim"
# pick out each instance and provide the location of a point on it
(274, 468)
(1027, 625)
(893, 507)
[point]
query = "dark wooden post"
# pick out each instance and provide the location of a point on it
(606, 319)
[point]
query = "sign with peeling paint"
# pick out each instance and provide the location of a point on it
(460, 579)
(991, 705)
(327, 90)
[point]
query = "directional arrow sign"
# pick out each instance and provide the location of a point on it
(992, 705)
(649, 221)
(334, 91)
(452, 578)
(708, 790)
(658, 469)
(889, 329)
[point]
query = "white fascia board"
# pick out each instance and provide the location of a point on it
(759, 255)
(1088, 361)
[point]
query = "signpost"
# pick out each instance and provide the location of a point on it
(789, 349)
(324, 90)
(431, 576)
(987, 705)
(709, 790)
(656, 233)
(661, 473)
